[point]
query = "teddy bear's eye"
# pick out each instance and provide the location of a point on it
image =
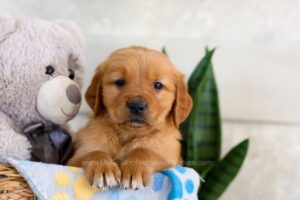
(50, 70)
(71, 74)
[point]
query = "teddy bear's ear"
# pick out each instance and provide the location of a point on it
(7, 26)
(72, 28)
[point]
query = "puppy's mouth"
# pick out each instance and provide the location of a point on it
(136, 123)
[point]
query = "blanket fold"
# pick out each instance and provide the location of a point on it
(56, 182)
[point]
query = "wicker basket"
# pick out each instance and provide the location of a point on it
(12, 185)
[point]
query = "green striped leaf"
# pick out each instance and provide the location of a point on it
(193, 82)
(202, 130)
(223, 172)
(198, 73)
(164, 51)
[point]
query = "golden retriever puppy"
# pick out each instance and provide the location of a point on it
(138, 100)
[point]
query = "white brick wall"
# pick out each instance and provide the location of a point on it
(256, 64)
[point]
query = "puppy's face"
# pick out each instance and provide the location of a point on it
(139, 88)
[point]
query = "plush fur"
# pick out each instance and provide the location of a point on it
(118, 147)
(27, 46)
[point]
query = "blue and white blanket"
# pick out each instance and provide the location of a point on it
(55, 182)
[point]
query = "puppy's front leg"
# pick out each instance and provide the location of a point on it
(101, 170)
(138, 166)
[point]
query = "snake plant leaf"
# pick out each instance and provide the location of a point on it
(164, 51)
(223, 172)
(198, 73)
(193, 82)
(202, 130)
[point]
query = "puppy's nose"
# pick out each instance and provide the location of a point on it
(73, 94)
(137, 107)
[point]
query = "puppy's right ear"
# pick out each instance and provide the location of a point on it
(7, 26)
(93, 95)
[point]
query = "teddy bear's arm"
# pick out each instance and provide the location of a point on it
(12, 143)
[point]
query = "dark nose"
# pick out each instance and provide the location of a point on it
(137, 107)
(73, 94)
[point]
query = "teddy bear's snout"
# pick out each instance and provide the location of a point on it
(73, 94)
(59, 99)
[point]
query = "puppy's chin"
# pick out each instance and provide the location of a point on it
(136, 123)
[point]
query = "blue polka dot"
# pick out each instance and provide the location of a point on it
(180, 169)
(114, 195)
(189, 186)
(158, 180)
(131, 198)
(176, 188)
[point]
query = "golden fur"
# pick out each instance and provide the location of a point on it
(112, 148)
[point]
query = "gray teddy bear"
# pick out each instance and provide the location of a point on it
(41, 72)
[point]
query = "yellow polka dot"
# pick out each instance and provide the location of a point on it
(60, 196)
(74, 169)
(82, 189)
(62, 179)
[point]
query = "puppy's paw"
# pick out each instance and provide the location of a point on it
(105, 178)
(103, 173)
(135, 175)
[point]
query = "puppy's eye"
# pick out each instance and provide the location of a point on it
(50, 70)
(120, 82)
(158, 85)
(71, 74)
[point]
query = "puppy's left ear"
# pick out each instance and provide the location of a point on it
(93, 95)
(183, 102)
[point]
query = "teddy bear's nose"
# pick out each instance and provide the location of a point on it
(73, 94)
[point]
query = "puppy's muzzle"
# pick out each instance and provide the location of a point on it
(59, 99)
(137, 106)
